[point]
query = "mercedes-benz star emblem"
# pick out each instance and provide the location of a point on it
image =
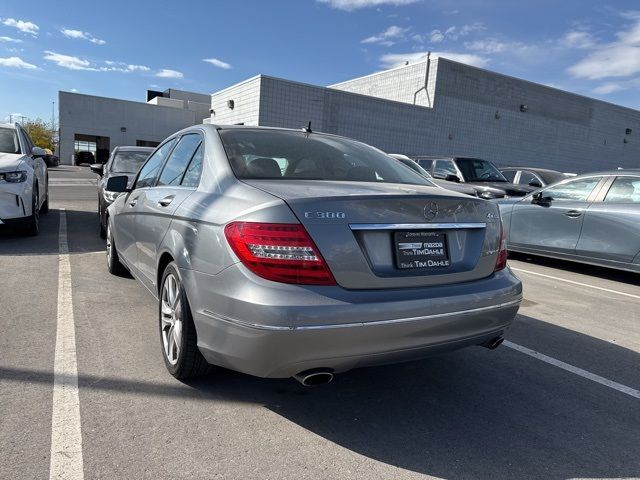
(430, 210)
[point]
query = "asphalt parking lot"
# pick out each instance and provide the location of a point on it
(560, 400)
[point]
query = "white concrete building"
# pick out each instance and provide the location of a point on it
(98, 124)
(441, 107)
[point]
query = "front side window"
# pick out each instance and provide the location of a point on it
(291, 155)
(510, 175)
(476, 170)
(528, 178)
(149, 172)
(128, 161)
(179, 160)
(9, 141)
(576, 190)
(624, 190)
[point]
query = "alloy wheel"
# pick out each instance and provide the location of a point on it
(171, 318)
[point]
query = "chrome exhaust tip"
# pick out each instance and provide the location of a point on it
(314, 377)
(493, 343)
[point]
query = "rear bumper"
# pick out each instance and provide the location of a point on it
(329, 327)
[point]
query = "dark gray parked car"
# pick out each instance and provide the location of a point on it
(473, 190)
(592, 218)
(123, 161)
(286, 253)
(472, 171)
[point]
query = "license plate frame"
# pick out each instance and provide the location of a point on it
(421, 249)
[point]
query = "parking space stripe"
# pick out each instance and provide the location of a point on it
(573, 282)
(575, 370)
(66, 435)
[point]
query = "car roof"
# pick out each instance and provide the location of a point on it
(622, 171)
(8, 125)
(532, 169)
(135, 148)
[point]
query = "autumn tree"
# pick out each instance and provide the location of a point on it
(41, 133)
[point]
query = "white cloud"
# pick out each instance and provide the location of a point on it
(607, 88)
(10, 40)
(350, 5)
(388, 37)
(490, 45)
(24, 27)
(16, 62)
(123, 67)
(217, 63)
(391, 60)
(616, 59)
(577, 39)
(68, 61)
(436, 36)
(167, 73)
(80, 35)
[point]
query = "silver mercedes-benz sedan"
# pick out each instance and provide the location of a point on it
(286, 253)
(592, 218)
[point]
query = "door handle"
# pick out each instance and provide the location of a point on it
(573, 213)
(166, 201)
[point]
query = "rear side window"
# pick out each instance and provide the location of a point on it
(149, 172)
(576, 190)
(192, 175)
(291, 155)
(624, 190)
(179, 160)
(442, 168)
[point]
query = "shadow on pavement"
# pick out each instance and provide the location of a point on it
(582, 268)
(468, 414)
(82, 234)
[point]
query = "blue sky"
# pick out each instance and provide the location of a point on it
(120, 48)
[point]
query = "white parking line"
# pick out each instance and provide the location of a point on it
(608, 290)
(575, 370)
(66, 435)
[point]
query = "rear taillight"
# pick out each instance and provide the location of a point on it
(501, 261)
(282, 252)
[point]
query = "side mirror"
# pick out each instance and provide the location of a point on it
(452, 178)
(539, 199)
(97, 168)
(535, 183)
(38, 152)
(117, 184)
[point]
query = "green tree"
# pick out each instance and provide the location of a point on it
(40, 132)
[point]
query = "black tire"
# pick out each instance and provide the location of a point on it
(45, 206)
(102, 231)
(113, 261)
(32, 223)
(189, 362)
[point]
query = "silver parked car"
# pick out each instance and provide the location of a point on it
(592, 218)
(286, 253)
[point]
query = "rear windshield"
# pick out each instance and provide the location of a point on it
(476, 170)
(290, 155)
(9, 141)
(128, 162)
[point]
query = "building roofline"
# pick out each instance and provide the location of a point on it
(250, 79)
(150, 105)
(381, 72)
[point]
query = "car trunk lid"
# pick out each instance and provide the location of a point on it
(369, 233)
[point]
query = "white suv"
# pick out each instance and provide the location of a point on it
(24, 190)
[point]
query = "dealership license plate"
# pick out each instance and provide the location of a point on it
(421, 250)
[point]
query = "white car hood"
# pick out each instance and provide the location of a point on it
(9, 162)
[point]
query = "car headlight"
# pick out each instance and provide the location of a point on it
(110, 196)
(14, 177)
